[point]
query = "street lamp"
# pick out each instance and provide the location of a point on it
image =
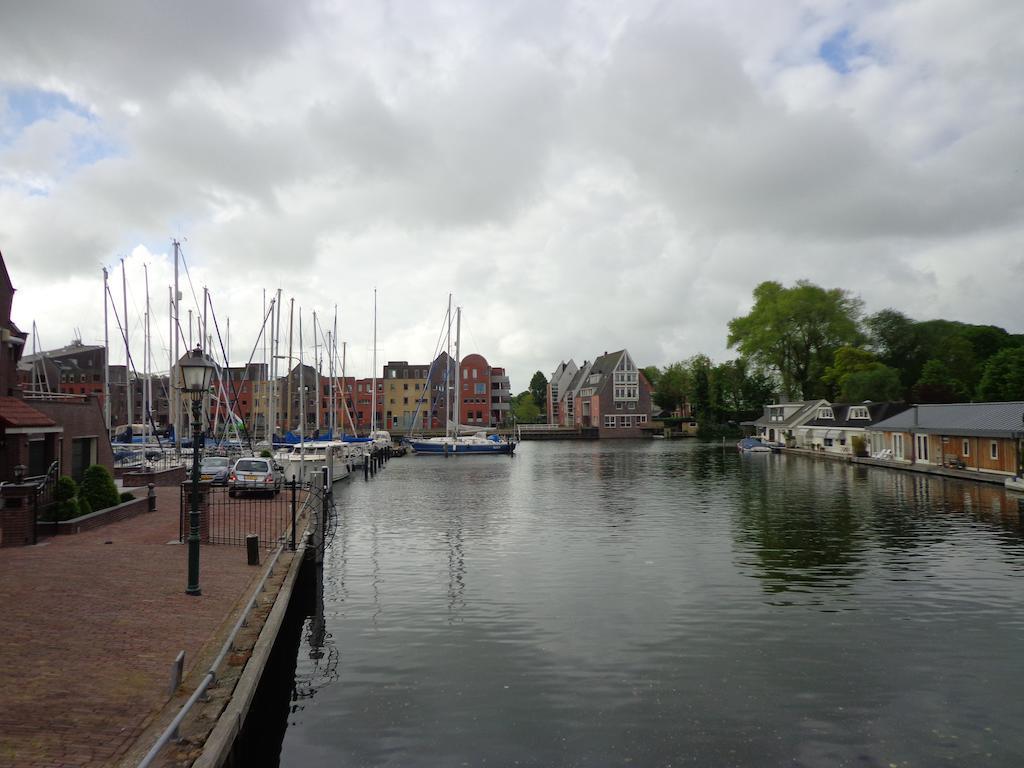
(195, 373)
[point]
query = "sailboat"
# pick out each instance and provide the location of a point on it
(455, 443)
(380, 438)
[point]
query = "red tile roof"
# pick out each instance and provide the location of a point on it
(15, 412)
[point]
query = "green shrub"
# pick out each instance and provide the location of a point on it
(65, 489)
(84, 507)
(98, 488)
(266, 454)
(126, 496)
(860, 445)
(65, 509)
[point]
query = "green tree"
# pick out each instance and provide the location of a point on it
(856, 375)
(525, 408)
(879, 382)
(796, 331)
(98, 488)
(1003, 377)
(653, 374)
(539, 390)
(938, 385)
(700, 375)
(673, 387)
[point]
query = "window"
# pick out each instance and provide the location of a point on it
(828, 442)
(405, 386)
(627, 421)
(474, 373)
(465, 373)
(993, 450)
(641, 418)
(825, 413)
(897, 445)
(967, 448)
(609, 420)
(859, 412)
(631, 405)
(480, 389)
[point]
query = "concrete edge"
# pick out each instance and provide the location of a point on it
(218, 744)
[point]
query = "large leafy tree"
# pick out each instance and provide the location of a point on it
(938, 384)
(856, 375)
(525, 408)
(652, 374)
(674, 385)
(796, 331)
(1003, 378)
(539, 389)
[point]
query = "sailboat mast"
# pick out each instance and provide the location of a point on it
(129, 390)
(302, 406)
(147, 392)
(316, 366)
(458, 358)
(448, 369)
(291, 336)
(334, 359)
(373, 400)
(106, 356)
(175, 396)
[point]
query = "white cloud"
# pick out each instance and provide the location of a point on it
(583, 176)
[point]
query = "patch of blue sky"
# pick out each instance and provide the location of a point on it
(840, 49)
(29, 105)
(22, 107)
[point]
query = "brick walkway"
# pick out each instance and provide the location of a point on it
(91, 624)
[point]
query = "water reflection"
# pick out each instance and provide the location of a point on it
(663, 603)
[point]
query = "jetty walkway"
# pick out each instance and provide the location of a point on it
(91, 626)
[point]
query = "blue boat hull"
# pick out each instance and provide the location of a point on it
(427, 447)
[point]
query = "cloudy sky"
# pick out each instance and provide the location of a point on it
(582, 176)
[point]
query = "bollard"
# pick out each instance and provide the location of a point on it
(291, 544)
(252, 548)
(366, 467)
(151, 497)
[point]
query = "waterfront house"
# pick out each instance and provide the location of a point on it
(558, 385)
(783, 422)
(835, 425)
(612, 396)
(45, 426)
(984, 437)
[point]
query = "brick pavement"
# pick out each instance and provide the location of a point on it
(89, 626)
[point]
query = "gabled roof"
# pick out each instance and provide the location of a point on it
(806, 411)
(841, 411)
(972, 419)
(15, 412)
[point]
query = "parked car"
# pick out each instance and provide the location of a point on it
(215, 469)
(255, 474)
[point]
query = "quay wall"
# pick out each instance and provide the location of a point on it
(924, 469)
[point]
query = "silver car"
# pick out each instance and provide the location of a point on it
(255, 474)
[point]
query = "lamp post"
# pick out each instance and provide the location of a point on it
(195, 372)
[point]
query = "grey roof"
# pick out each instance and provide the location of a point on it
(841, 411)
(70, 349)
(797, 418)
(975, 419)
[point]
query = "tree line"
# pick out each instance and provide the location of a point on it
(806, 342)
(818, 343)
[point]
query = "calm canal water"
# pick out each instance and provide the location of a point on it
(663, 603)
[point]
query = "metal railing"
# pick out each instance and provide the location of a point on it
(229, 514)
(210, 678)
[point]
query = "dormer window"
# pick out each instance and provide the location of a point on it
(825, 412)
(859, 412)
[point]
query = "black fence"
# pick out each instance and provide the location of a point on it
(229, 515)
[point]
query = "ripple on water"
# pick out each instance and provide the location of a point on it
(663, 603)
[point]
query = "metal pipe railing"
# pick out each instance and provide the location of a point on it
(211, 674)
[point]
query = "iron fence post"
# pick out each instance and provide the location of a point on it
(35, 516)
(292, 543)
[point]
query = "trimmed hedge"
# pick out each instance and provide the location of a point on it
(98, 489)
